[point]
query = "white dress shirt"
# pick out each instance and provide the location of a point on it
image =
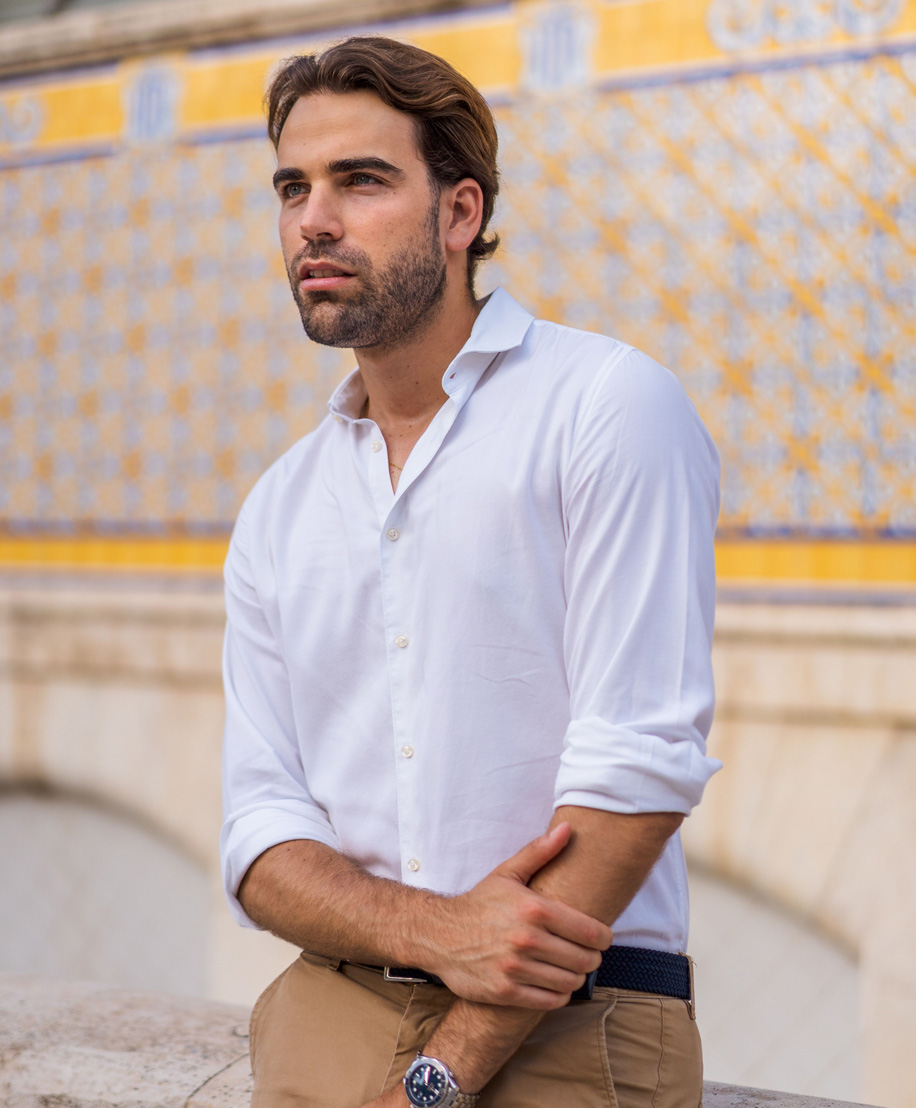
(416, 678)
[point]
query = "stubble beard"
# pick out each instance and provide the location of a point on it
(395, 303)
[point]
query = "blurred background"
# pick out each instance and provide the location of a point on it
(727, 184)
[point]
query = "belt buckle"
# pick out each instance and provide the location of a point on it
(390, 974)
(586, 990)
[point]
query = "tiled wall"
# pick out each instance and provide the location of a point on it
(729, 185)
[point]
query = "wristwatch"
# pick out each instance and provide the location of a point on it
(430, 1084)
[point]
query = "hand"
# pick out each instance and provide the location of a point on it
(394, 1098)
(502, 943)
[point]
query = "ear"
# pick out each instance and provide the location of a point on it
(464, 207)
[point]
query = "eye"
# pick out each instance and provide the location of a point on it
(292, 189)
(364, 179)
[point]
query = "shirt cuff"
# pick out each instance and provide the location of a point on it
(617, 769)
(245, 838)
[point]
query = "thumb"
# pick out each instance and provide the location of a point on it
(536, 854)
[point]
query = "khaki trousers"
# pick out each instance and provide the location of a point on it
(331, 1035)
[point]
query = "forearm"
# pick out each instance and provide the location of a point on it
(499, 942)
(600, 871)
(607, 859)
(320, 900)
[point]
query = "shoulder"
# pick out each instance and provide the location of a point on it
(624, 413)
(571, 351)
(605, 379)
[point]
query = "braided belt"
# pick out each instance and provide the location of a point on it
(642, 971)
(622, 967)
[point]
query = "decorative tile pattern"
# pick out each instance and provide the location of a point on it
(749, 24)
(755, 230)
(156, 363)
(757, 233)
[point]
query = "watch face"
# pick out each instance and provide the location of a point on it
(426, 1085)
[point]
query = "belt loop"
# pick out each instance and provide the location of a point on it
(334, 963)
(692, 1003)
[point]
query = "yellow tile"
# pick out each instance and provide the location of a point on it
(225, 92)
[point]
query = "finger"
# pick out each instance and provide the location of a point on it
(563, 956)
(529, 996)
(544, 975)
(574, 926)
(536, 854)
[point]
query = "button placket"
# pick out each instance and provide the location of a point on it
(375, 459)
(398, 603)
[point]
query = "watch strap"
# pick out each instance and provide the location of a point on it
(465, 1100)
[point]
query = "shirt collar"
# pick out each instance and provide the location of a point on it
(500, 326)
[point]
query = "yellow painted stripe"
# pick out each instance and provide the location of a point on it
(71, 113)
(738, 561)
(825, 563)
(138, 553)
(485, 51)
(629, 37)
(655, 34)
(224, 92)
(652, 35)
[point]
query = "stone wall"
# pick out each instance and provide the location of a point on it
(816, 724)
(114, 695)
(78, 1045)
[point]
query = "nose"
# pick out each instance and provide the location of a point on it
(320, 215)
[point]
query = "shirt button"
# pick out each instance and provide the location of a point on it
(393, 533)
(407, 751)
(375, 446)
(413, 865)
(401, 641)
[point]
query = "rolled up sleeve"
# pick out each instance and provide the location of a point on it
(266, 799)
(641, 501)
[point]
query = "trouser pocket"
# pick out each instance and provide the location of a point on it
(562, 1062)
(654, 1052)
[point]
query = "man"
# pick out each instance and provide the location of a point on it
(467, 657)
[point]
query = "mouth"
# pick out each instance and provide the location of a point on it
(320, 276)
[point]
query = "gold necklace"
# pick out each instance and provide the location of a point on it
(400, 469)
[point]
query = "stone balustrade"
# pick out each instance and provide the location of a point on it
(77, 1044)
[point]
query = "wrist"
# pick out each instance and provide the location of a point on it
(420, 941)
(430, 1083)
(475, 1040)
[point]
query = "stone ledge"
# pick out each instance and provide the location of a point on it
(78, 1044)
(95, 35)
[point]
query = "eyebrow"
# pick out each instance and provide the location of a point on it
(341, 165)
(351, 165)
(284, 175)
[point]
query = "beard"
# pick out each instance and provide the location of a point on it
(395, 303)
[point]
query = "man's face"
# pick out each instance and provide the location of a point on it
(359, 221)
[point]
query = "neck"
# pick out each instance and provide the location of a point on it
(404, 381)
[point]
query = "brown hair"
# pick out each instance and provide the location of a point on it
(456, 134)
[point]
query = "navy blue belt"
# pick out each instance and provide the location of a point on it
(643, 971)
(622, 967)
